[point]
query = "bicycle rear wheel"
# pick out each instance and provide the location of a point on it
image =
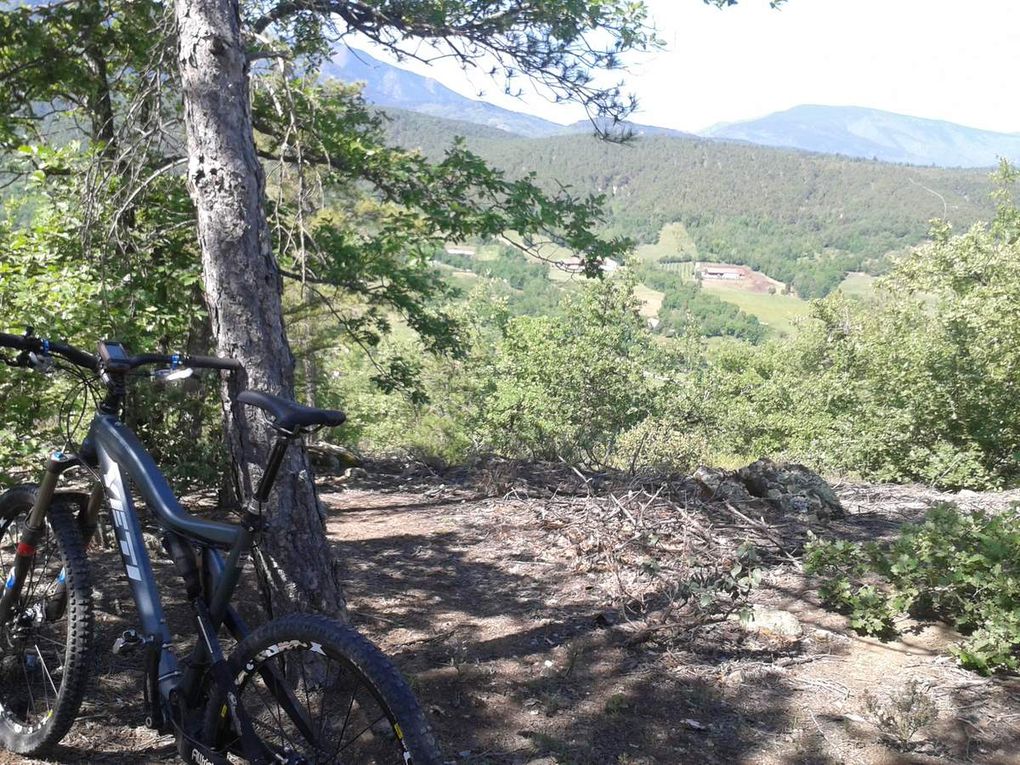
(45, 646)
(319, 692)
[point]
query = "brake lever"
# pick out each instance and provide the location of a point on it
(39, 362)
(21, 361)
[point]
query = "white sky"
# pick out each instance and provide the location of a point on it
(957, 60)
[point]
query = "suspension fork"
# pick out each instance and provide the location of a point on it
(33, 531)
(88, 517)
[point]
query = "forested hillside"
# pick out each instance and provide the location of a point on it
(801, 218)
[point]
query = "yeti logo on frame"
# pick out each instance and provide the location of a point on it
(118, 507)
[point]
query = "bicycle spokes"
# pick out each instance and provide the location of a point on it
(311, 708)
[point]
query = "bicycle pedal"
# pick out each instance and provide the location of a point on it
(127, 643)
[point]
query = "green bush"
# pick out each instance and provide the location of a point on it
(844, 567)
(917, 384)
(146, 296)
(656, 442)
(961, 568)
(568, 387)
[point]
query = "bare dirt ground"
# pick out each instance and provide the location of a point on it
(521, 657)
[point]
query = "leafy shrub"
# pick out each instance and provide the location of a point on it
(961, 568)
(725, 586)
(916, 384)
(569, 387)
(656, 442)
(843, 567)
(147, 296)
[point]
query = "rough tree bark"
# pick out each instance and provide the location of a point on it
(244, 293)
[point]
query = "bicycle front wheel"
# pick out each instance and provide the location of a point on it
(319, 692)
(45, 645)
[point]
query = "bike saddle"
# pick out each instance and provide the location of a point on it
(288, 415)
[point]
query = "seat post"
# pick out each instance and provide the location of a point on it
(272, 468)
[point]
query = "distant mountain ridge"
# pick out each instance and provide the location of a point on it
(390, 86)
(856, 131)
(850, 131)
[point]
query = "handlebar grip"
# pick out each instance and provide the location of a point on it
(38, 344)
(75, 356)
(17, 342)
(212, 362)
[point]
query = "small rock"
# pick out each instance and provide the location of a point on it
(694, 725)
(830, 639)
(775, 622)
(791, 488)
(720, 484)
(734, 678)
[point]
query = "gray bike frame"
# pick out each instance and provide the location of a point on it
(119, 453)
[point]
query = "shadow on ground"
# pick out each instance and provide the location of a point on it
(514, 659)
(517, 659)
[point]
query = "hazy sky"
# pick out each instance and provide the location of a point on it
(957, 60)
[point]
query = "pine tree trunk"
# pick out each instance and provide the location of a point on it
(244, 293)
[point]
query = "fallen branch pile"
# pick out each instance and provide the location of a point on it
(676, 554)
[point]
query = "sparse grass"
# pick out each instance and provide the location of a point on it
(648, 253)
(487, 252)
(902, 715)
(464, 279)
(655, 253)
(778, 312)
(618, 704)
(459, 278)
(858, 285)
(555, 253)
(559, 275)
(651, 301)
(673, 243)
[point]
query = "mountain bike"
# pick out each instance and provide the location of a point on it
(297, 689)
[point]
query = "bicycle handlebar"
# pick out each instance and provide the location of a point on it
(212, 362)
(30, 344)
(181, 360)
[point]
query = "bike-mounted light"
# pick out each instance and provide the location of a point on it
(173, 374)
